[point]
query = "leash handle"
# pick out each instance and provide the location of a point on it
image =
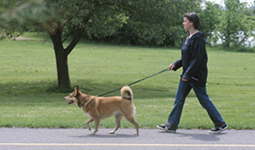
(137, 81)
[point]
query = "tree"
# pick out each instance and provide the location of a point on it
(70, 19)
(209, 17)
(159, 23)
(65, 17)
(167, 25)
(235, 27)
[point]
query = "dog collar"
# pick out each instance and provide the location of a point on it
(86, 103)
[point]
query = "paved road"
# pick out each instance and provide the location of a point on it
(123, 139)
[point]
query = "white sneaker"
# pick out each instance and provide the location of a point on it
(217, 130)
(165, 128)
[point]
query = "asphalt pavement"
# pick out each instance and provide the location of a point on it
(124, 139)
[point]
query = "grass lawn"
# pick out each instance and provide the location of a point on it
(28, 79)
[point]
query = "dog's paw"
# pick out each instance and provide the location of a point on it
(136, 134)
(88, 127)
(112, 132)
(93, 133)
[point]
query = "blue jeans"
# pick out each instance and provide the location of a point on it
(182, 92)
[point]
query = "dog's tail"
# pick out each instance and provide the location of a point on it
(126, 93)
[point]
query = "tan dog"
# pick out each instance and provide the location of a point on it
(102, 107)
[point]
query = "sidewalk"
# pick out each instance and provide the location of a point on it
(123, 139)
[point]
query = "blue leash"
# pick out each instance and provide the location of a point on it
(137, 81)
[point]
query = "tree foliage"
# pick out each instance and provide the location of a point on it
(210, 18)
(153, 23)
(235, 27)
(9, 24)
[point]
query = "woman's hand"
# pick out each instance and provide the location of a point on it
(171, 66)
(184, 80)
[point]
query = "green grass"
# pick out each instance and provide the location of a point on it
(28, 79)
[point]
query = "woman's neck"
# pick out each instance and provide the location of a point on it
(192, 32)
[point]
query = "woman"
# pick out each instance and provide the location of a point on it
(194, 64)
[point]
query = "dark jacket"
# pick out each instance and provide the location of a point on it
(194, 59)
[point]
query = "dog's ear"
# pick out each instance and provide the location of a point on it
(76, 90)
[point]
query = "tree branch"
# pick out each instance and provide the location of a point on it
(67, 21)
(74, 42)
(68, 36)
(76, 39)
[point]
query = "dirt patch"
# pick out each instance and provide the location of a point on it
(23, 38)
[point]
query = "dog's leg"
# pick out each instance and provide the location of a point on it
(118, 118)
(97, 120)
(132, 120)
(129, 114)
(87, 123)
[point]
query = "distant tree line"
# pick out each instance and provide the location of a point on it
(232, 24)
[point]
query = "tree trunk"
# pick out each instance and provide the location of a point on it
(62, 53)
(61, 61)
